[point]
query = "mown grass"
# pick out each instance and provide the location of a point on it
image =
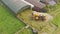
(9, 24)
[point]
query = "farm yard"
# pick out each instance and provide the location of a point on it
(51, 25)
(39, 25)
(9, 24)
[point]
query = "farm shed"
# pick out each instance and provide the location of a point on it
(39, 9)
(16, 5)
(43, 1)
(36, 3)
(56, 1)
(50, 2)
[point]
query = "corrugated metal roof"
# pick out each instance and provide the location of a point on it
(36, 3)
(56, 0)
(52, 3)
(15, 5)
(47, 1)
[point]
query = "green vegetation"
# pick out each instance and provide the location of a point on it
(9, 24)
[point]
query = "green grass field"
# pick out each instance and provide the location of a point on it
(9, 24)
